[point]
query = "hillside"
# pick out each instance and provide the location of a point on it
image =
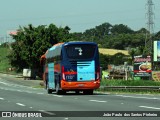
(112, 51)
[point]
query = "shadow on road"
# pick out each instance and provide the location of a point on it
(81, 94)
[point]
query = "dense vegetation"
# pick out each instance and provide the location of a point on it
(129, 83)
(4, 62)
(117, 36)
(32, 42)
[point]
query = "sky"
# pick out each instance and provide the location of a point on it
(79, 15)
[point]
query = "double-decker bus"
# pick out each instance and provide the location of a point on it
(71, 66)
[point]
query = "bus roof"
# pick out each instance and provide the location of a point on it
(68, 43)
(79, 42)
(49, 53)
(54, 50)
(55, 45)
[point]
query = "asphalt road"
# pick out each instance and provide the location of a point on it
(16, 95)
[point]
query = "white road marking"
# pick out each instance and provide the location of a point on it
(11, 84)
(149, 98)
(57, 95)
(155, 108)
(1, 98)
(144, 94)
(19, 90)
(49, 113)
(20, 104)
(3, 83)
(97, 101)
(40, 93)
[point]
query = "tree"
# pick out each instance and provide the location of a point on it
(118, 59)
(104, 61)
(157, 36)
(32, 42)
(119, 29)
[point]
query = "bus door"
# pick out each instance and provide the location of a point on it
(51, 82)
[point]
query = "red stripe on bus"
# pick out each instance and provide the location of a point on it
(67, 73)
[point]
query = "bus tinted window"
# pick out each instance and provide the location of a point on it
(80, 51)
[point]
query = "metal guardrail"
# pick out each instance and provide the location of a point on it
(150, 88)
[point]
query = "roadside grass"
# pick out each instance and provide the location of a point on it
(112, 51)
(106, 82)
(115, 91)
(120, 82)
(38, 86)
(104, 73)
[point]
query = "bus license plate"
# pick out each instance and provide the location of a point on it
(80, 85)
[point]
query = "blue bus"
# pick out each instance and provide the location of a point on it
(72, 66)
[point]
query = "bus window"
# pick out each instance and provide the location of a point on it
(80, 51)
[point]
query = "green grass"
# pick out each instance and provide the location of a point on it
(4, 62)
(104, 73)
(105, 82)
(120, 82)
(39, 86)
(115, 91)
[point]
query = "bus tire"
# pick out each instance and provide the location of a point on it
(57, 89)
(49, 91)
(46, 80)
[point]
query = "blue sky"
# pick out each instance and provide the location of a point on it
(79, 15)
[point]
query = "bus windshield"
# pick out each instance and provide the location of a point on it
(80, 51)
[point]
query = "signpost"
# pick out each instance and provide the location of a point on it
(142, 66)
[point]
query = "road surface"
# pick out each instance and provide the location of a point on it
(15, 96)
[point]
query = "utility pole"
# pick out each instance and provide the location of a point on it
(150, 31)
(150, 25)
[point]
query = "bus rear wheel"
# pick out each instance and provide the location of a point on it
(49, 91)
(58, 91)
